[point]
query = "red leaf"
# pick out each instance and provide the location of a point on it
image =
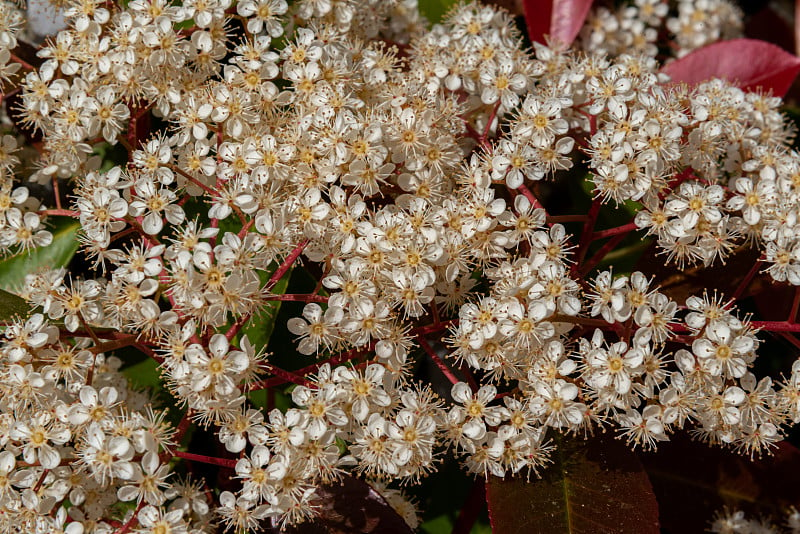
(746, 62)
(560, 19)
(351, 507)
(796, 27)
(567, 19)
(537, 17)
(692, 481)
(593, 487)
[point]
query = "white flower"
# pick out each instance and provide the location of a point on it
(555, 404)
(38, 436)
(475, 406)
(539, 122)
(753, 199)
(614, 367)
(26, 231)
(643, 428)
(501, 81)
(722, 351)
(258, 484)
(95, 406)
(157, 520)
(724, 406)
(364, 391)
(148, 481)
(107, 457)
(154, 205)
(108, 114)
(217, 370)
(322, 408)
(247, 423)
(316, 328)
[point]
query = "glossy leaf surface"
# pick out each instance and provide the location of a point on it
(57, 254)
(692, 481)
(11, 306)
(351, 507)
(592, 487)
(259, 328)
(560, 19)
(749, 63)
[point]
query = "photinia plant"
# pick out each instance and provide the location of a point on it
(327, 267)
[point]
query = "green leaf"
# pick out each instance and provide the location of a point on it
(434, 10)
(11, 306)
(282, 400)
(259, 328)
(196, 208)
(443, 524)
(594, 486)
(439, 525)
(144, 374)
(57, 254)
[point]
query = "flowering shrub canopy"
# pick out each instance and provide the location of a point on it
(213, 150)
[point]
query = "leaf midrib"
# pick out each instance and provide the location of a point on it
(565, 488)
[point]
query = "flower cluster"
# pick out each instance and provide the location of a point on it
(736, 522)
(635, 28)
(408, 168)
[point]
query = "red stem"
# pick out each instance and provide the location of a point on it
(795, 305)
(214, 224)
(492, 115)
(56, 192)
(474, 134)
(776, 326)
(41, 480)
(123, 233)
(446, 371)
(277, 275)
(476, 501)
(150, 352)
(134, 518)
(237, 326)
(624, 229)
(222, 462)
(126, 341)
(287, 264)
(586, 234)
(297, 297)
(335, 360)
(746, 282)
(98, 334)
(193, 180)
(531, 198)
(246, 228)
(21, 61)
(431, 328)
(60, 212)
(183, 426)
(290, 377)
(473, 384)
(602, 253)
